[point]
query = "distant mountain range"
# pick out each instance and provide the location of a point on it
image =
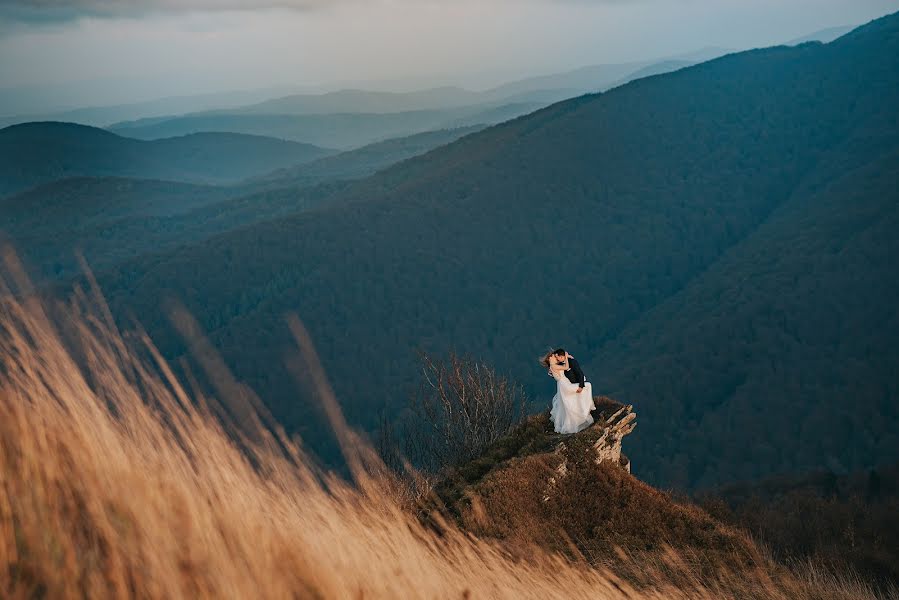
(825, 35)
(41, 103)
(545, 89)
(598, 78)
(34, 153)
(27, 104)
(113, 219)
(352, 118)
(713, 244)
(354, 164)
(339, 130)
(363, 101)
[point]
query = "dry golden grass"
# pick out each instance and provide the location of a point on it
(115, 483)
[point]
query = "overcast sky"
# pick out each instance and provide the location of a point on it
(137, 49)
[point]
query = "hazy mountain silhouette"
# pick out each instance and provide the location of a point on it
(362, 101)
(360, 162)
(352, 118)
(655, 69)
(825, 35)
(343, 130)
(28, 104)
(20, 108)
(713, 244)
(352, 100)
(594, 78)
(34, 153)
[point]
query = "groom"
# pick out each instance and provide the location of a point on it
(574, 372)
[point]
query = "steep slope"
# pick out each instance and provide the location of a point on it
(801, 316)
(568, 226)
(34, 153)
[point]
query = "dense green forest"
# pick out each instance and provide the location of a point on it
(716, 245)
(795, 328)
(113, 220)
(854, 521)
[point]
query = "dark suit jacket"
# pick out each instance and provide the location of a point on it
(574, 372)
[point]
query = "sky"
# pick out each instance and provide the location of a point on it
(110, 51)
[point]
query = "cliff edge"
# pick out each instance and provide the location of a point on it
(575, 494)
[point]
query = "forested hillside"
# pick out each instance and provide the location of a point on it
(793, 331)
(115, 219)
(112, 220)
(854, 525)
(41, 152)
(708, 242)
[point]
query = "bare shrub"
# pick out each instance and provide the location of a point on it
(461, 407)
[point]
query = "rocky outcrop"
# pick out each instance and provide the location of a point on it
(605, 437)
(601, 443)
(575, 495)
(608, 446)
(611, 430)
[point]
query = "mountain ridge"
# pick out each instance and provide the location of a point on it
(661, 181)
(39, 152)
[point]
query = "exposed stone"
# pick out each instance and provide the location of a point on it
(562, 454)
(607, 446)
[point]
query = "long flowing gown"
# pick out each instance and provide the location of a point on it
(570, 411)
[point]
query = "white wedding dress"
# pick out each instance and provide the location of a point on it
(570, 411)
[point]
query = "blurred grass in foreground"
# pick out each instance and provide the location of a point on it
(115, 482)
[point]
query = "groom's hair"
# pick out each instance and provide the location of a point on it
(559, 352)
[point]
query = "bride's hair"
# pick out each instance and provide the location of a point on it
(545, 360)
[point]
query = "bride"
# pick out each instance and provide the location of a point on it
(570, 408)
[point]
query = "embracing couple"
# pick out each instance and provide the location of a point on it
(574, 395)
